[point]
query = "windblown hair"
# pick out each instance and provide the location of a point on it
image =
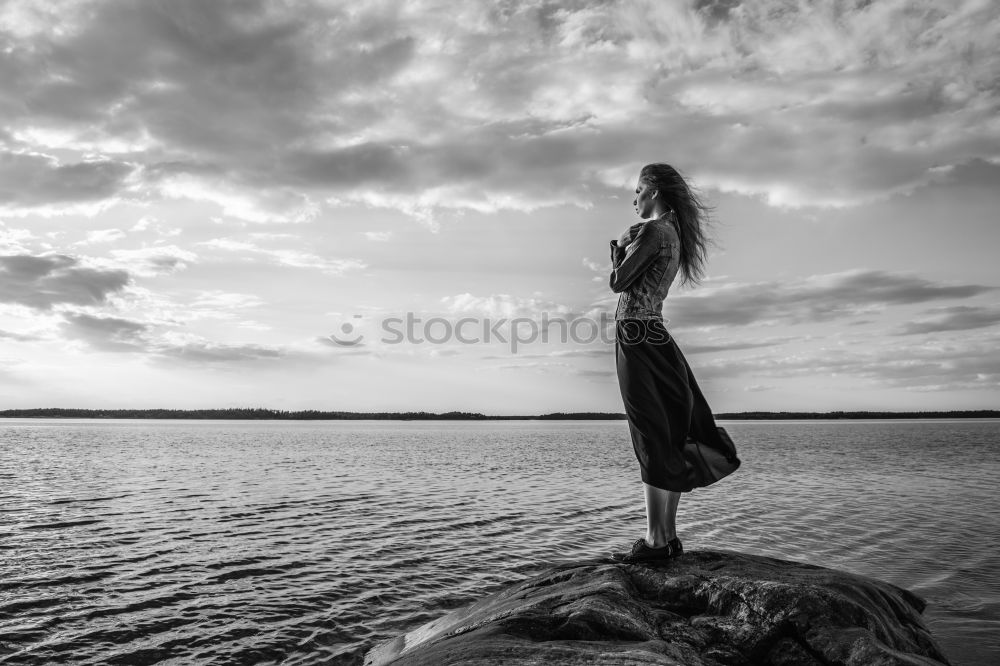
(692, 217)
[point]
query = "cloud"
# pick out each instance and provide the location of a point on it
(605, 352)
(106, 333)
(536, 366)
(506, 306)
(597, 374)
(154, 260)
(19, 337)
(31, 181)
(41, 282)
(436, 353)
(955, 318)
(102, 236)
(209, 352)
(739, 345)
(924, 366)
(116, 334)
(224, 300)
(287, 257)
(814, 299)
(143, 223)
(272, 109)
(12, 240)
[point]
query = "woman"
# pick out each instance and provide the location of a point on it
(673, 432)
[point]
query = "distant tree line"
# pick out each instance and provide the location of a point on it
(237, 413)
(958, 414)
(259, 413)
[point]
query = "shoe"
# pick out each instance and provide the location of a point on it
(641, 552)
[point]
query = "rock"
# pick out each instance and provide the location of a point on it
(703, 608)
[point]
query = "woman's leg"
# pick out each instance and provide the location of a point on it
(661, 515)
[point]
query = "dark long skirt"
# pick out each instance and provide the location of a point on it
(674, 435)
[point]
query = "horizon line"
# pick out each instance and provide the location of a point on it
(263, 413)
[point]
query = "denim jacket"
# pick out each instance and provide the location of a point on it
(643, 270)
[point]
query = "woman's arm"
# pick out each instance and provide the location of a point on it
(618, 246)
(617, 253)
(628, 263)
(629, 234)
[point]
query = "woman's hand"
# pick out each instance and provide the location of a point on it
(629, 235)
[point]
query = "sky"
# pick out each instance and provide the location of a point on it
(294, 204)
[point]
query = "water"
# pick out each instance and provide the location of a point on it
(193, 542)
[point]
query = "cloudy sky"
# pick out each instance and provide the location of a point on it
(199, 199)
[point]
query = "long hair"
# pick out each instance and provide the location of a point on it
(692, 217)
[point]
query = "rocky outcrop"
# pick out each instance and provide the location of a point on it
(702, 608)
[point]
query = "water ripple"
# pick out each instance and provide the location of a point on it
(304, 543)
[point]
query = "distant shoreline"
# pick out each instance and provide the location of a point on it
(259, 414)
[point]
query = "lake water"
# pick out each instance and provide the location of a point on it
(211, 542)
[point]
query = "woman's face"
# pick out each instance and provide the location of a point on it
(644, 200)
